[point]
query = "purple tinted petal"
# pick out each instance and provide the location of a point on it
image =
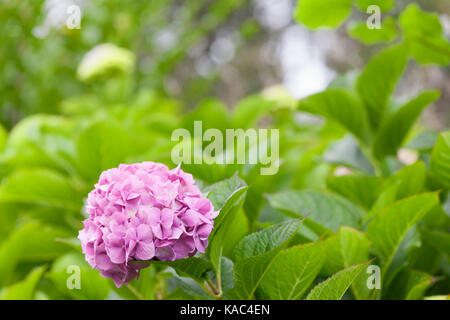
(145, 251)
(165, 253)
(116, 254)
(144, 232)
(190, 218)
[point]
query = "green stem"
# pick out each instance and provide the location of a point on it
(208, 291)
(135, 292)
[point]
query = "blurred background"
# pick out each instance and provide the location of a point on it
(189, 50)
(77, 101)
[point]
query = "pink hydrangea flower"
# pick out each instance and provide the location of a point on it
(143, 211)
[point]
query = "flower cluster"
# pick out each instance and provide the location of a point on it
(143, 211)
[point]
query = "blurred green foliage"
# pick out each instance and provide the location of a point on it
(62, 132)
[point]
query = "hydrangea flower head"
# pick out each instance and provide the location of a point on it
(144, 211)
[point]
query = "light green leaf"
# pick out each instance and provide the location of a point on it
(212, 113)
(228, 197)
(224, 195)
(387, 197)
(393, 131)
(438, 297)
(358, 188)
(378, 81)
(347, 247)
(292, 271)
(24, 290)
(410, 180)
(254, 255)
(335, 287)
(440, 160)
(328, 210)
(424, 36)
(30, 242)
(315, 14)
(3, 137)
(341, 106)
(249, 110)
(101, 146)
(92, 286)
(389, 228)
(418, 283)
(41, 141)
(387, 33)
(384, 5)
(40, 186)
(105, 59)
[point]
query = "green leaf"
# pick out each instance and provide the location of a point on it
(292, 271)
(387, 33)
(254, 255)
(393, 131)
(346, 152)
(227, 268)
(212, 113)
(335, 287)
(424, 141)
(418, 282)
(195, 268)
(224, 195)
(328, 210)
(315, 14)
(101, 146)
(347, 247)
(24, 290)
(228, 197)
(30, 242)
(387, 197)
(3, 137)
(40, 186)
(440, 160)
(260, 242)
(385, 5)
(437, 239)
(358, 188)
(249, 110)
(92, 286)
(410, 180)
(41, 141)
(389, 228)
(189, 286)
(341, 106)
(424, 36)
(234, 231)
(378, 81)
